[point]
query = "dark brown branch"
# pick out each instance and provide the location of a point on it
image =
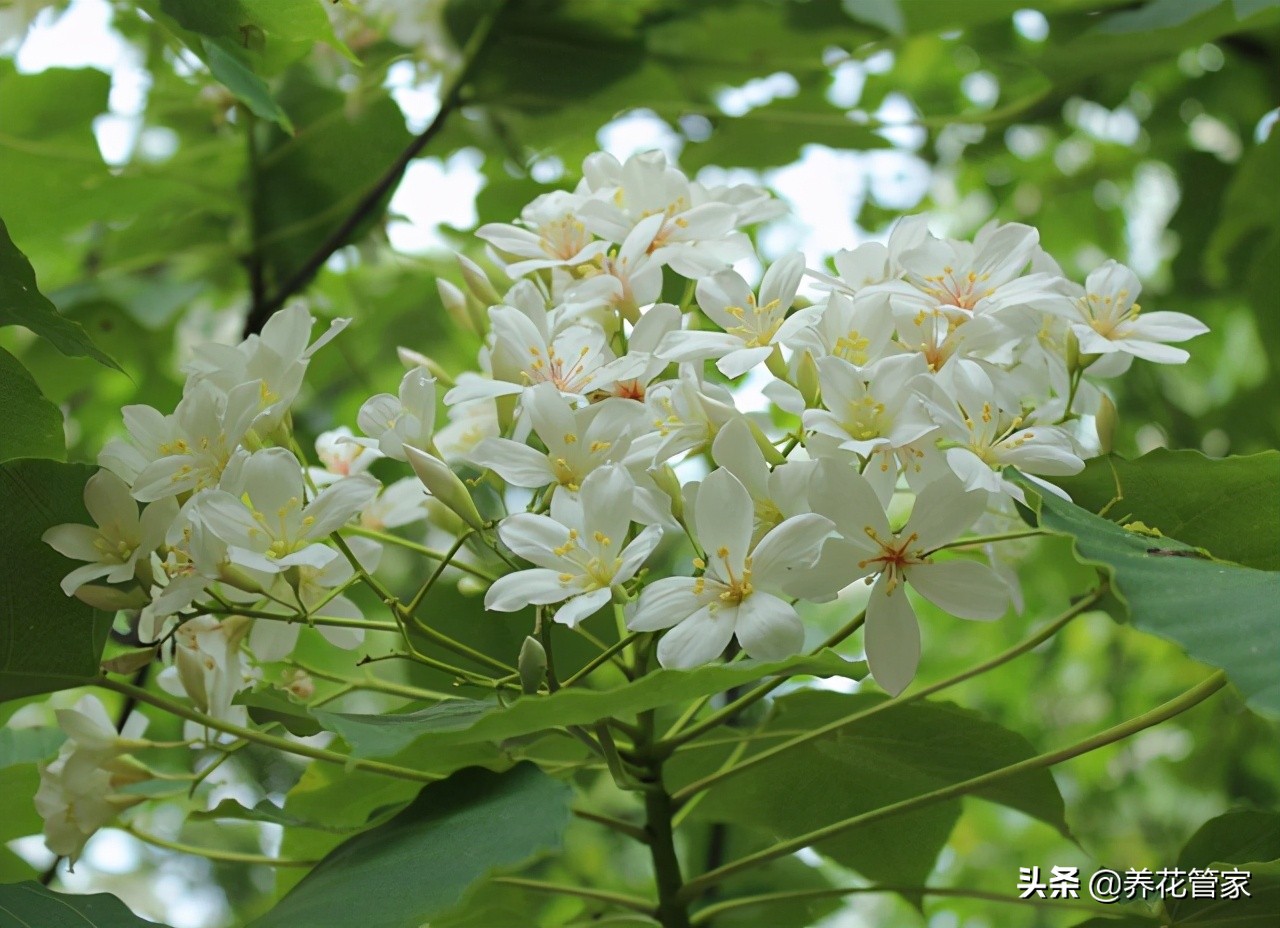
(262, 309)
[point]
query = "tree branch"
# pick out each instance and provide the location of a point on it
(262, 309)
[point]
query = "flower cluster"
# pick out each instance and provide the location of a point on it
(607, 412)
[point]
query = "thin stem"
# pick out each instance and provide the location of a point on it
(673, 908)
(602, 658)
(230, 857)
(614, 824)
(721, 908)
(435, 575)
(1164, 712)
(389, 539)
(1020, 648)
(271, 741)
(990, 539)
(335, 621)
(450, 100)
(375, 684)
(635, 903)
(720, 716)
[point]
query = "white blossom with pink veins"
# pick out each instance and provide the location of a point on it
(736, 594)
(891, 560)
(548, 234)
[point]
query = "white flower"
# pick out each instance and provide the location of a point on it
(623, 279)
(736, 593)
(398, 504)
(548, 234)
(273, 640)
(391, 422)
(341, 456)
(984, 437)
(78, 790)
(581, 551)
(857, 330)
(528, 350)
(210, 669)
(188, 450)
(871, 409)
(267, 523)
(122, 538)
(942, 511)
(687, 414)
(751, 326)
(1106, 319)
(966, 279)
(656, 323)
(577, 440)
(776, 494)
(470, 422)
(276, 360)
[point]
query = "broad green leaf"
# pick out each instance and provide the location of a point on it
(48, 641)
(33, 425)
(265, 706)
(1229, 507)
(1246, 840)
(470, 721)
(29, 745)
(30, 905)
(267, 811)
(22, 303)
(239, 78)
(419, 864)
(1157, 14)
(1240, 836)
(308, 183)
(1219, 613)
(890, 756)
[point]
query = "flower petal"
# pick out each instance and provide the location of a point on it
(724, 516)
(789, 548)
(664, 603)
(514, 462)
(536, 586)
(577, 608)
(768, 628)
(892, 638)
(965, 589)
(699, 639)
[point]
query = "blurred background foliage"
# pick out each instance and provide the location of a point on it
(173, 168)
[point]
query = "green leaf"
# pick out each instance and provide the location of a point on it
(1229, 507)
(1158, 14)
(267, 811)
(29, 745)
(886, 14)
(1219, 613)
(33, 425)
(1240, 836)
(48, 641)
(1239, 840)
(266, 706)
(308, 183)
(419, 864)
(893, 755)
(22, 303)
(30, 905)
(470, 721)
(238, 77)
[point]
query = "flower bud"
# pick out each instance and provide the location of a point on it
(442, 483)
(411, 359)
(532, 665)
(667, 481)
(771, 454)
(807, 380)
(111, 599)
(478, 282)
(455, 304)
(1105, 423)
